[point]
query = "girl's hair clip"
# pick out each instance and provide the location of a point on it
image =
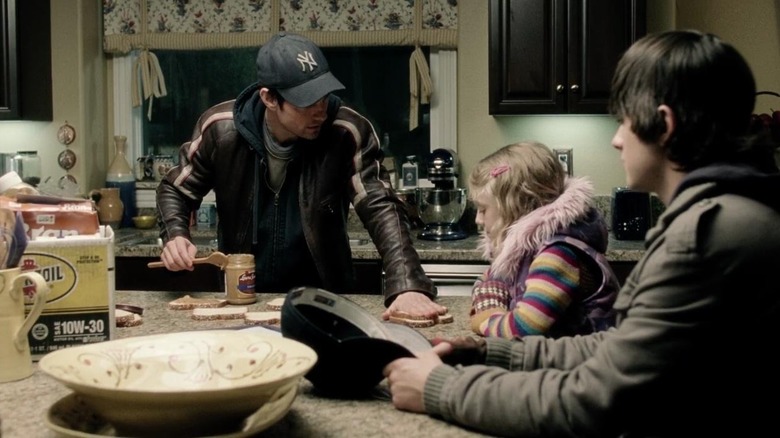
(498, 170)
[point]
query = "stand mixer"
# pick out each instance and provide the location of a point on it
(441, 206)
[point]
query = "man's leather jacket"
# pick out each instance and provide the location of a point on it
(342, 166)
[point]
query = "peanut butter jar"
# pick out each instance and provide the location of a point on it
(240, 279)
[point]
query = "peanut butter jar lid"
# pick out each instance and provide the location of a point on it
(240, 259)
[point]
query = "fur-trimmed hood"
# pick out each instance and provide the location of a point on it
(571, 214)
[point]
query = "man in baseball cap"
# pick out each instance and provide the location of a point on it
(286, 159)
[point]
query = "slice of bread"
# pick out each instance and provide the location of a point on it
(415, 323)
(275, 304)
(123, 317)
(404, 315)
(273, 317)
(420, 321)
(445, 319)
(135, 320)
(213, 314)
(188, 303)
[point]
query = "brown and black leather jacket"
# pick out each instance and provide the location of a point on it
(342, 166)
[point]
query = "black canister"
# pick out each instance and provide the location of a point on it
(630, 214)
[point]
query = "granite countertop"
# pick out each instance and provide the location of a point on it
(131, 242)
(24, 403)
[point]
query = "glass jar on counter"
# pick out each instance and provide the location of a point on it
(240, 279)
(161, 165)
(28, 165)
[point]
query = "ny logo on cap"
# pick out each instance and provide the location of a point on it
(307, 59)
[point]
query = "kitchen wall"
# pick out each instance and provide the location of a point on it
(81, 96)
(751, 26)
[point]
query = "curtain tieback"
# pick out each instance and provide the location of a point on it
(146, 70)
(420, 85)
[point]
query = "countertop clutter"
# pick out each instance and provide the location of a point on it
(24, 404)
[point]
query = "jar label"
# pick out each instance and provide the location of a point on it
(240, 285)
(246, 282)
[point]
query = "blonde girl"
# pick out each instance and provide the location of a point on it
(546, 243)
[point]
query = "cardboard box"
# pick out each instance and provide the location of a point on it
(80, 306)
(53, 217)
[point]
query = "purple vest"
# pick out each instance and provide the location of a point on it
(586, 314)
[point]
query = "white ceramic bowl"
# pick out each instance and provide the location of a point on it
(181, 384)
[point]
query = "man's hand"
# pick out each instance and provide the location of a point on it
(465, 350)
(178, 254)
(415, 304)
(406, 377)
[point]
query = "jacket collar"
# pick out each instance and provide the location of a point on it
(716, 180)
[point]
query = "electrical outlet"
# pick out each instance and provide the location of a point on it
(566, 158)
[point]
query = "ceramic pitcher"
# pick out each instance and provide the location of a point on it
(15, 358)
(109, 206)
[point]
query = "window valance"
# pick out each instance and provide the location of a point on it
(147, 25)
(215, 24)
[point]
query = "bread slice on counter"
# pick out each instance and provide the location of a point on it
(127, 319)
(414, 323)
(122, 316)
(188, 303)
(445, 319)
(275, 304)
(218, 313)
(417, 321)
(273, 317)
(404, 315)
(137, 320)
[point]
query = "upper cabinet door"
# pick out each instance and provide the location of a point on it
(25, 65)
(9, 97)
(558, 56)
(527, 56)
(599, 32)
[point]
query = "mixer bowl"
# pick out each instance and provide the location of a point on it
(440, 210)
(441, 206)
(409, 199)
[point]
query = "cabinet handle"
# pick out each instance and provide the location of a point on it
(575, 88)
(559, 89)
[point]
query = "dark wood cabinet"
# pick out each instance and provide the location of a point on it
(132, 273)
(25, 50)
(558, 56)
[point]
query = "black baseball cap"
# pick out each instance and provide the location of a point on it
(353, 346)
(296, 68)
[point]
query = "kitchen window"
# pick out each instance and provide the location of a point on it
(376, 81)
